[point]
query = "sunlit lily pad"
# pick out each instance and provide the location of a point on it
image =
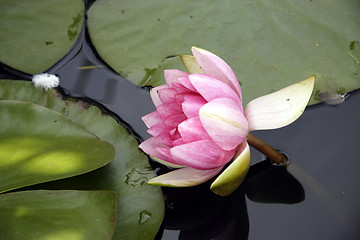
(269, 44)
(55, 215)
(36, 34)
(39, 145)
(140, 206)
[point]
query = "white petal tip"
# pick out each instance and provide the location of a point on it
(197, 50)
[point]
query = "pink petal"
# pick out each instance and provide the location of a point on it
(216, 67)
(280, 108)
(166, 95)
(211, 88)
(164, 151)
(155, 96)
(234, 174)
(179, 88)
(184, 177)
(149, 146)
(174, 120)
(192, 130)
(165, 139)
(179, 98)
(178, 142)
(169, 109)
(152, 119)
(224, 121)
(203, 155)
(157, 129)
(185, 81)
(192, 104)
(172, 75)
(174, 133)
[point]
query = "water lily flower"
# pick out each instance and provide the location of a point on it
(200, 124)
(45, 80)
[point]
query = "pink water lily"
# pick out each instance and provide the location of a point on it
(200, 124)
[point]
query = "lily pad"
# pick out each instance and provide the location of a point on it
(36, 34)
(269, 45)
(140, 206)
(55, 215)
(39, 145)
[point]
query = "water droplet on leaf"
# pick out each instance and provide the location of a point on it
(144, 216)
(137, 176)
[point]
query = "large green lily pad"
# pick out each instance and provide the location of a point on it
(140, 206)
(269, 44)
(39, 145)
(36, 34)
(57, 215)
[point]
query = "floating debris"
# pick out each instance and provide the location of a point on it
(90, 67)
(45, 80)
(332, 98)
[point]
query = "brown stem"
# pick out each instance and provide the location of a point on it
(266, 149)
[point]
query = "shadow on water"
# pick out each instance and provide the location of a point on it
(199, 214)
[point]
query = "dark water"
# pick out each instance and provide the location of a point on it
(316, 197)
